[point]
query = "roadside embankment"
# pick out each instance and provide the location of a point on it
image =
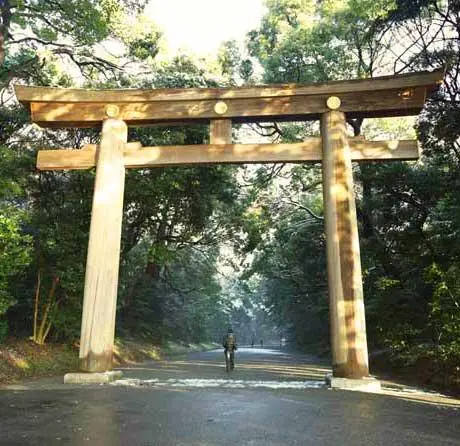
(416, 367)
(424, 370)
(22, 358)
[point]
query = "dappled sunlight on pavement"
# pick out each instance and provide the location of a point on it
(267, 368)
(219, 383)
(264, 369)
(418, 395)
(251, 364)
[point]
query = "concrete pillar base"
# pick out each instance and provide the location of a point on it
(367, 384)
(92, 378)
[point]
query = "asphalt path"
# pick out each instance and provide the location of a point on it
(271, 398)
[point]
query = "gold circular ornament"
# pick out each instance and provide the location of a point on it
(112, 110)
(407, 94)
(333, 102)
(220, 107)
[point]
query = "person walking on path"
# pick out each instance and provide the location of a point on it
(229, 344)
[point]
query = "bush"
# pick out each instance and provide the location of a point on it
(3, 330)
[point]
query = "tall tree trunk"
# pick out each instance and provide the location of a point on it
(37, 300)
(46, 322)
(5, 8)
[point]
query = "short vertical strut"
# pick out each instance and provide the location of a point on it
(220, 131)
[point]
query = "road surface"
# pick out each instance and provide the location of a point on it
(272, 398)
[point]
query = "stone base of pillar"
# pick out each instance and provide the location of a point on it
(92, 378)
(368, 384)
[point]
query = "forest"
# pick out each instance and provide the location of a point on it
(208, 247)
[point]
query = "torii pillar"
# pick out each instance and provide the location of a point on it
(103, 259)
(346, 303)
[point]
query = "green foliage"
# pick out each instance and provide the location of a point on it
(300, 41)
(180, 72)
(291, 266)
(3, 330)
(309, 55)
(179, 303)
(85, 21)
(144, 48)
(142, 38)
(445, 307)
(65, 31)
(229, 57)
(14, 253)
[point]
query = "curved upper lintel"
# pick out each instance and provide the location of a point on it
(382, 96)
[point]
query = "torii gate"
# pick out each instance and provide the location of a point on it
(332, 102)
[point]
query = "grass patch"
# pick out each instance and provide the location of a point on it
(171, 348)
(22, 358)
(420, 368)
(130, 351)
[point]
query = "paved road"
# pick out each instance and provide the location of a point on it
(192, 401)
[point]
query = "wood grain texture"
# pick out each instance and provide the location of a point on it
(220, 131)
(101, 280)
(371, 104)
(347, 320)
(159, 156)
(27, 94)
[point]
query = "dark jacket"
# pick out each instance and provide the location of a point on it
(229, 342)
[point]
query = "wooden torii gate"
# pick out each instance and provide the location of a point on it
(332, 103)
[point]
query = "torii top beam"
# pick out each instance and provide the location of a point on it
(385, 96)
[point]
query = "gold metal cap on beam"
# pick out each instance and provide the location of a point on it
(220, 107)
(406, 94)
(333, 102)
(112, 110)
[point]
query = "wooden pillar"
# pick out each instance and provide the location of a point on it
(101, 281)
(220, 131)
(347, 319)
